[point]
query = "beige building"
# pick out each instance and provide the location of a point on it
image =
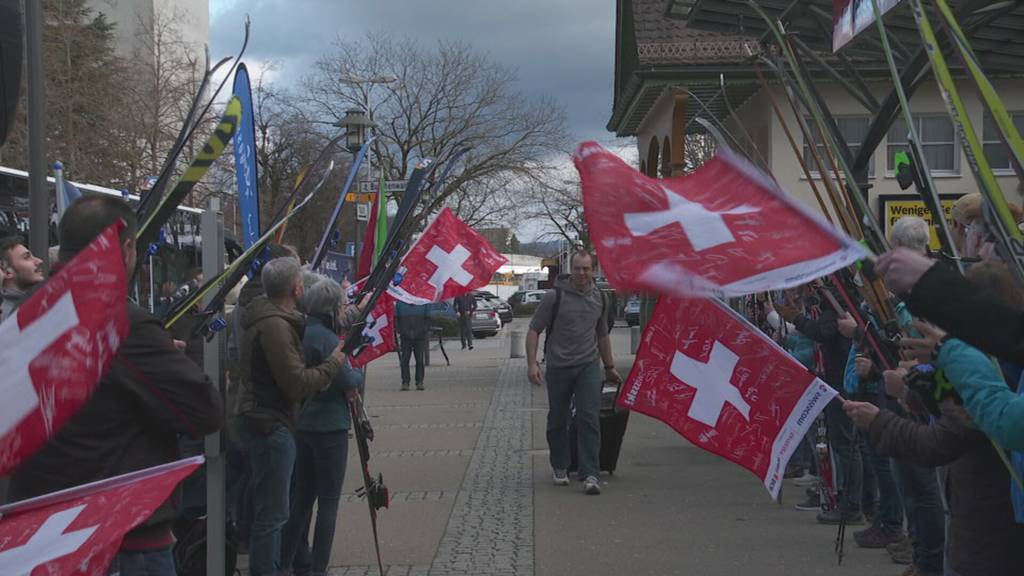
(136, 19)
(669, 73)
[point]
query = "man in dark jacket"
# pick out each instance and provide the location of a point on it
(21, 272)
(151, 394)
(275, 380)
(465, 305)
(413, 324)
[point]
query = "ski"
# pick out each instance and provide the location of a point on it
(321, 248)
(1011, 136)
(212, 150)
(926, 186)
(232, 275)
(999, 217)
(190, 124)
(373, 489)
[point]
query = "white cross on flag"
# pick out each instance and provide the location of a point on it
(79, 530)
(449, 260)
(380, 329)
(723, 385)
(58, 345)
(726, 229)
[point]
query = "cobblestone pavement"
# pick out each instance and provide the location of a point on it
(490, 531)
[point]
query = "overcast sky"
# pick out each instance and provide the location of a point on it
(560, 48)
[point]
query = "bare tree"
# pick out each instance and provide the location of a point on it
(445, 97)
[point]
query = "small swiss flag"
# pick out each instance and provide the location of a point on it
(449, 260)
(58, 345)
(723, 385)
(726, 229)
(78, 531)
(379, 332)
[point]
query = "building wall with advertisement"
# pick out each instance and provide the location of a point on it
(892, 207)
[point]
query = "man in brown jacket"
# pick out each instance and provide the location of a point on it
(275, 380)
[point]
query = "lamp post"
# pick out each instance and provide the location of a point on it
(358, 123)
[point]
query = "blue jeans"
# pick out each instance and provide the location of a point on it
(841, 435)
(148, 563)
(319, 475)
(926, 518)
(890, 505)
(271, 459)
(584, 384)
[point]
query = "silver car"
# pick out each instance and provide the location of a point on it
(485, 320)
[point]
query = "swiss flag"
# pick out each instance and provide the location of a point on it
(449, 260)
(58, 345)
(78, 531)
(726, 229)
(379, 331)
(723, 385)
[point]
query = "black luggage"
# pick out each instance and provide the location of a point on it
(613, 428)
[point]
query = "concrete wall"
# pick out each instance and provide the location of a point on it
(135, 17)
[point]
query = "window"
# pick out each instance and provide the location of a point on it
(937, 139)
(996, 152)
(853, 129)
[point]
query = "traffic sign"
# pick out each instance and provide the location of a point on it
(368, 186)
(353, 197)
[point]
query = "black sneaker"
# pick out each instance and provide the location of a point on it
(877, 537)
(833, 517)
(813, 503)
(405, 386)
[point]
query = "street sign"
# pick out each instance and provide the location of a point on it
(353, 197)
(368, 186)
(362, 212)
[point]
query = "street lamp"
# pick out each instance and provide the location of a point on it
(355, 124)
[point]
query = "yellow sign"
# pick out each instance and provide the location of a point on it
(892, 207)
(353, 197)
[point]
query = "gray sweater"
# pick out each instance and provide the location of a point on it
(576, 330)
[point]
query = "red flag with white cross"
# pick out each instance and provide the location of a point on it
(449, 260)
(379, 332)
(78, 531)
(57, 346)
(717, 380)
(726, 229)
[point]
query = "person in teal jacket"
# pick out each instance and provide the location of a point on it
(321, 438)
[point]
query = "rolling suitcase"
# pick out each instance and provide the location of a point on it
(613, 427)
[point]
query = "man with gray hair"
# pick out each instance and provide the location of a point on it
(275, 375)
(911, 232)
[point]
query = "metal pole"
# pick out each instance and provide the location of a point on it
(212, 226)
(38, 195)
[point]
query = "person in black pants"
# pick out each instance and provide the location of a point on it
(465, 305)
(413, 328)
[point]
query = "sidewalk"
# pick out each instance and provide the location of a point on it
(466, 461)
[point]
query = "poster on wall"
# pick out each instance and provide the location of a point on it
(892, 207)
(337, 266)
(851, 17)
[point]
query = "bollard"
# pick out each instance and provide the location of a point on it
(515, 345)
(634, 339)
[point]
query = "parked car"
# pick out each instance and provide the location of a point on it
(633, 311)
(528, 302)
(485, 320)
(504, 310)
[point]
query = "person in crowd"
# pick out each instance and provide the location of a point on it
(321, 437)
(275, 380)
(983, 536)
(465, 305)
(151, 394)
(413, 324)
(577, 335)
(21, 272)
(835, 348)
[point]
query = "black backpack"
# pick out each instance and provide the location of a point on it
(190, 549)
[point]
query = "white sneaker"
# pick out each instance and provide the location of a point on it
(560, 477)
(591, 486)
(807, 479)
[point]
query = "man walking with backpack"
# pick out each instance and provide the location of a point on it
(573, 315)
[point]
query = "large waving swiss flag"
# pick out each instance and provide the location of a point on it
(726, 229)
(723, 385)
(78, 531)
(449, 260)
(58, 345)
